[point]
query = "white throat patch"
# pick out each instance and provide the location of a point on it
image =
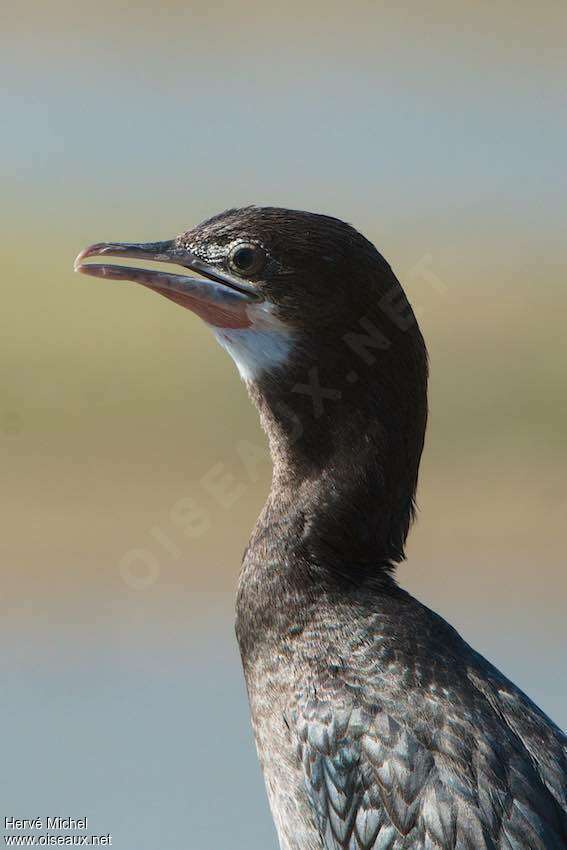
(262, 347)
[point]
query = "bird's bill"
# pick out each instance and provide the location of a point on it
(217, 297)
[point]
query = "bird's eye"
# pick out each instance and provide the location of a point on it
(246, 258)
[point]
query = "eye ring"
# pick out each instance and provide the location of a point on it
(246, 258)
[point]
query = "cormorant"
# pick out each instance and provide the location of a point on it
(377, 726)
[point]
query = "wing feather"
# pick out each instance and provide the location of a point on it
(374, 784)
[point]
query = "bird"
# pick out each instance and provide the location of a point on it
(377, 726)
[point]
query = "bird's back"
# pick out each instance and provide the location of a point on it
(379, 728)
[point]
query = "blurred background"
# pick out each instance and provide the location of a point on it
(439, 130)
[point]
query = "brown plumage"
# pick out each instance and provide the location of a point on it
(377, 726)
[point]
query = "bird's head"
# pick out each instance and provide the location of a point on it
(316, 322)
(278, 287)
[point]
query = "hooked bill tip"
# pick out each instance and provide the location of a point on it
(78, 262)
(86, 252)
(95, 250)
(157, 251)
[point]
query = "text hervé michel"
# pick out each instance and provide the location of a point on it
(55, 822)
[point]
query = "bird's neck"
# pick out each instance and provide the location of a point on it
(327, 530)
(345, 466)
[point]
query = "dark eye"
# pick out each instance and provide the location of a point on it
(246, 258)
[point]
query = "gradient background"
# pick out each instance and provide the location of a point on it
(439, 131)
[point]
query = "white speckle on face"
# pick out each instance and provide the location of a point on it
(262, 347)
